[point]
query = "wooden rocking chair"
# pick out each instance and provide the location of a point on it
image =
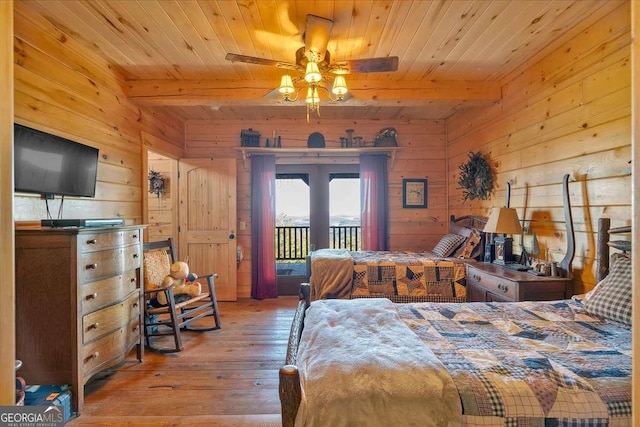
(181, 309)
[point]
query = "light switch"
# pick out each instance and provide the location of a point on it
(243, 225)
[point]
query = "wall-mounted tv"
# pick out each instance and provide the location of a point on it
(52, 165)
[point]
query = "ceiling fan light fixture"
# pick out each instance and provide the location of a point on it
(286, 85)
(313, 98)
(312, 73)
(339, 87)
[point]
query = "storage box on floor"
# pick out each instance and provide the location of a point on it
(47, 395)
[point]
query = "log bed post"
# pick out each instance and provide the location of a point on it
(289, 388)
(602, 249)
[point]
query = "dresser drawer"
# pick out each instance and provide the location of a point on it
(96, 265)
(114, 345)
(108, 319)
(91, 242)
(504, 289)
(95, 295)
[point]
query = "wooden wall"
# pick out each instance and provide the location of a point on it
(568, 113)
(422, 155)
(67, 89)
(7, 261)
(162, 209)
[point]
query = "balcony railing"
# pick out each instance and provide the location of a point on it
(292, 243)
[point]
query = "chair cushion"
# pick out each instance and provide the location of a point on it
(156, 267)
(448, 244)
(612, 298)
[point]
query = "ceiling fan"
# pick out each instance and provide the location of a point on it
(314, 66)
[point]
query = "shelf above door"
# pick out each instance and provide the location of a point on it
(315, 155)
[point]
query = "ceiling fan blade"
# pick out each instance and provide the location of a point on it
(316, 35)
(369, 65)
(234, 57)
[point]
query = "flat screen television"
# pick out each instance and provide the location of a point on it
(52, 165)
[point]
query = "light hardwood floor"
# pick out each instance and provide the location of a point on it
(227, 377)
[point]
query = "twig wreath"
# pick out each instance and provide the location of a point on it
(476, 178)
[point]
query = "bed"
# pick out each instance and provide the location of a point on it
(375, 362)
(401, 276)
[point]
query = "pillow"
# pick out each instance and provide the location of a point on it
(448, 244)
(467, 250)
(612, 298)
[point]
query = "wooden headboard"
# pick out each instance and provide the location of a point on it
(605, 242)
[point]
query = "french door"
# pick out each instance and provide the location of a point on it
(315, 200)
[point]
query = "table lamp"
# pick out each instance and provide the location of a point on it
(503, 221)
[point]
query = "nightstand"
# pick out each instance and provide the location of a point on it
(492, 282)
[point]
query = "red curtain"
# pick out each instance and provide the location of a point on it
(263, 223)
(373, 202)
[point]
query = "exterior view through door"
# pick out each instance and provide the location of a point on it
(317, 206)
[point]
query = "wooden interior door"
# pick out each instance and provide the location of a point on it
(207, 220)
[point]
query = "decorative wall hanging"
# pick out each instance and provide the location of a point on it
(476, 178)
(156, 183)
(414, 193)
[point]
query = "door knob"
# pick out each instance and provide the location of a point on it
(232, 236)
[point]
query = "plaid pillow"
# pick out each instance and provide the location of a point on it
(612, 298)
(448, 244)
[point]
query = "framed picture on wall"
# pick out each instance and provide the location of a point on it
(414, 193)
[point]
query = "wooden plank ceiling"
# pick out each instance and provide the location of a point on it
(452, 54)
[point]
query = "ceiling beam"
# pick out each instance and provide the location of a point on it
(381, 93)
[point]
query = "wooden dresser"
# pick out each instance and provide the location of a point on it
(492, 282)
(78, 302)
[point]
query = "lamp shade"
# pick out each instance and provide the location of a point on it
(339, 86)
(503, 221)
(312, 73)
(286, 85)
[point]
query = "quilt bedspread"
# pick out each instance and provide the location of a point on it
(407, 274)
(531, 363)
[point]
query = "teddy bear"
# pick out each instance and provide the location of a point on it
(182, 280)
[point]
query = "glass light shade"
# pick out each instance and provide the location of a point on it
(313, 98)
(503, 221)
(286, 85)
(339, 86)
(312, 73)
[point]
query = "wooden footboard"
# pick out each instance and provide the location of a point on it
(290, 392)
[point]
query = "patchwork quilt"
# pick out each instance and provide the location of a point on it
(407, 276)
(534, 364)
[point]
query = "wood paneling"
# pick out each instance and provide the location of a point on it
(568, 113)
(422, 155)
(64, 88)
(7, 280)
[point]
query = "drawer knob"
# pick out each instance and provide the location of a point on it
(134, 236)
(135, 255)
(132, 280)
(477, 277)
(93, 326)
(502, 287)
(91, 242)
(91, 266)
(92, 296)
(93, 355)
(135, 305)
